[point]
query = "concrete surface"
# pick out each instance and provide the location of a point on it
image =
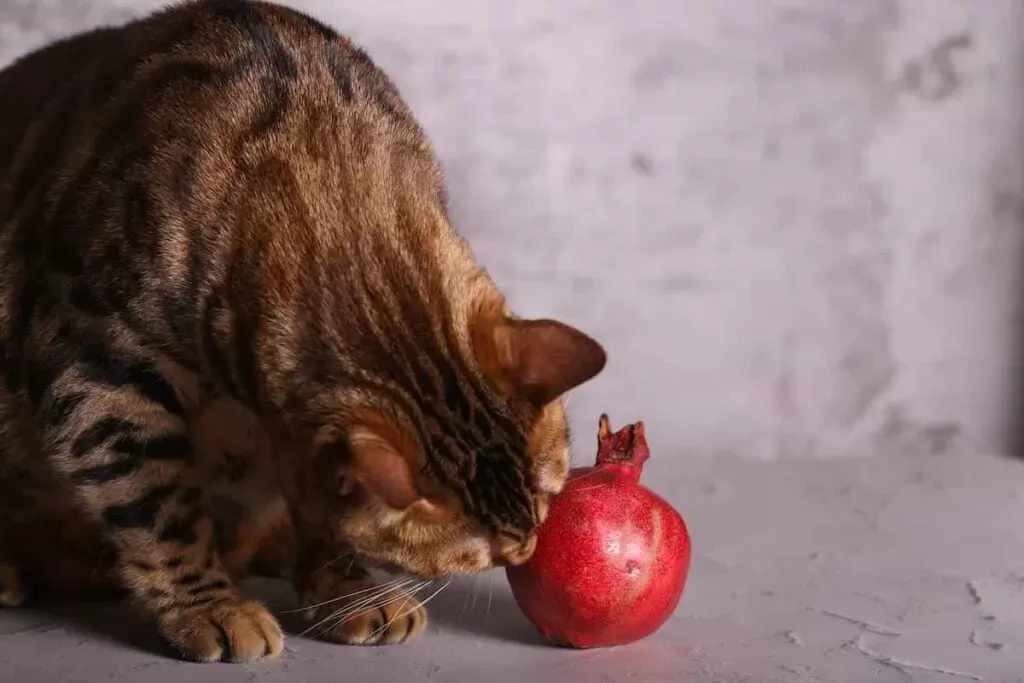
(796, 224)
(834, 571)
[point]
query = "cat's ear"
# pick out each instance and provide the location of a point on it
(538, 359)
(381, 459)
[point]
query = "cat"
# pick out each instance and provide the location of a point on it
(238, 329)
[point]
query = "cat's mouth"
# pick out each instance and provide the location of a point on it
(389, 569)
(468, 557)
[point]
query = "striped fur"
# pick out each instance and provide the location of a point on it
(237, 330)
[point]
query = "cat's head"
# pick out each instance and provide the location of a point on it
(458, 480)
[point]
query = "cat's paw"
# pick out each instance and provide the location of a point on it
(364, 613)
(233, 629)
(13, 592)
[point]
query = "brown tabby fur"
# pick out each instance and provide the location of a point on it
(237, 329)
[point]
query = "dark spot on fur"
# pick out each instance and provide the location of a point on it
(165, 447)
(190, 495)
(454, 399)
(142, 565)
(102, 367)
(440, 447)
(151, 384)
(424, 383)
(183, 529)
(480, 420)
(67, 255)
(266, 45)
(213, 348)
(189, 579)
(246, 333)
(83, 299)
(338, 68)
(12, 380)
(97, 435)
(210, 549)
(211, 586)
(234, 468)
(276, 101)
(27, 299)
(191, 604)
(227, 517)
(104, 474)
(323, 29)
(140, 513)
(55, 410)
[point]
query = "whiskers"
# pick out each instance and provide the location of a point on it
(367, 599)
(401, 612)
(377, 597)
(350, 555)
(391, 584)
(473, 593)
(591, 488)
(589, 475)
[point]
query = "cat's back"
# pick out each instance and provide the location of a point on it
(209, 152)
(123, 141)
(201, 74)
(61, 92)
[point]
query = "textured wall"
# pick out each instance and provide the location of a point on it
(796, 224)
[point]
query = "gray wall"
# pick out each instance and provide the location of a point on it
(796, 224)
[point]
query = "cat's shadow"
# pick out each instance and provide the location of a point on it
(479, 609)
(474, 609)
(113, 623)
(469, 608)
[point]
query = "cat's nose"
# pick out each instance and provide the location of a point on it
(510, 552)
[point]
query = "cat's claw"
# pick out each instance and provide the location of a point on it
(230, 630)
(395, 618)
(13, 592)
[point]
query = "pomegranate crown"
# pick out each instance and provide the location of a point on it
(626, 448)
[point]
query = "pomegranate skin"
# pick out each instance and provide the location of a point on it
(612, 557)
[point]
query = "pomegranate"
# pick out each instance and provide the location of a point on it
(612, 556)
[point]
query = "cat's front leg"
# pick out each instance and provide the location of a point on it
(344, 604)
(117, 432)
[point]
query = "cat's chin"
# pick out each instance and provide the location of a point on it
(388, 571)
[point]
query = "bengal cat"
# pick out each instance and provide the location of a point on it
(236, 325)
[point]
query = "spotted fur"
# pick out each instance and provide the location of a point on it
(237, 331)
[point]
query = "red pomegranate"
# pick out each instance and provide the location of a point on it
(612, 556)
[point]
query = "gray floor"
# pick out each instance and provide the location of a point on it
(807, 571)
